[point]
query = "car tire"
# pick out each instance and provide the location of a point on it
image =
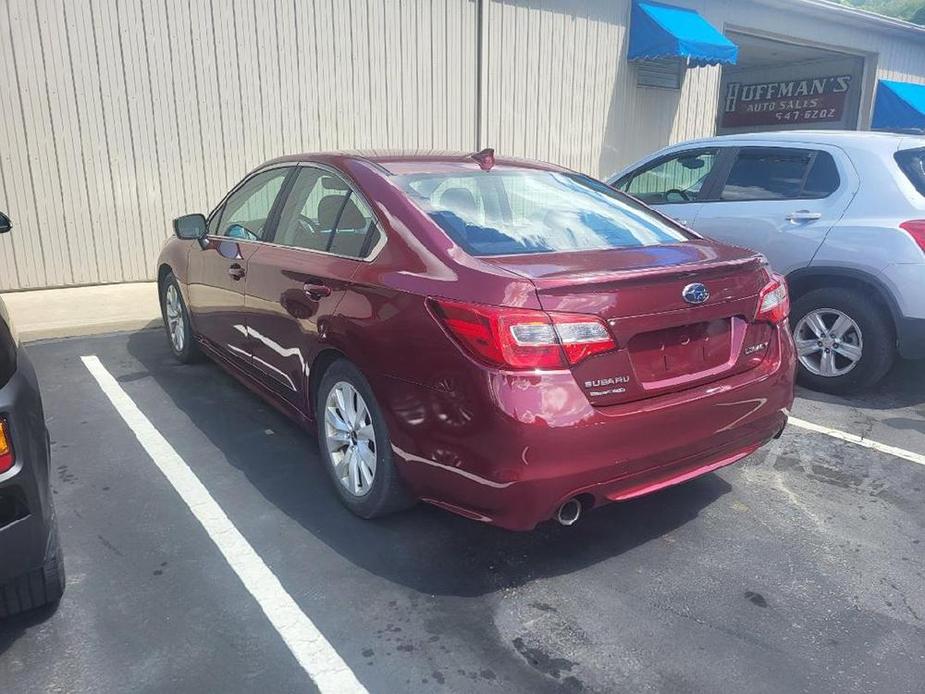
(387, 493)
(876, 328)
(179, 336)
(37, 588)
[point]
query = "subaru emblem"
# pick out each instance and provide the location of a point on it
(695, 293)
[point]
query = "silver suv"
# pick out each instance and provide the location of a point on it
(841, 214)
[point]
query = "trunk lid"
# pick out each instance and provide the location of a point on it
(664, 343)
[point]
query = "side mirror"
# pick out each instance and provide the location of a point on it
(692, 163)
(190, 227)
(5, 223)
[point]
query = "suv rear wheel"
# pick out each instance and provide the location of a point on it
(844, 340)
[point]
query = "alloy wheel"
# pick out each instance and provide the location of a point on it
(829, 342)
(350, 438)
(175, 325)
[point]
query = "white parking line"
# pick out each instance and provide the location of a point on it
(313, 652)
(857, 440)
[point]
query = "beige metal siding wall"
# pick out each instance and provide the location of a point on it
(560, 88)
(118, 115)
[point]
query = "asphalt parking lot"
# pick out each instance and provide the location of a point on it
(797, 570)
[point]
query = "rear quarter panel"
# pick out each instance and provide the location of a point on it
(868, 240)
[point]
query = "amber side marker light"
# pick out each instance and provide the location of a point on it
(6, 447)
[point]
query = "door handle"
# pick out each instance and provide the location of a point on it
(803, 216)
(317, 290)
(236, 272)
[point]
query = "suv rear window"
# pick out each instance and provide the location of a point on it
(509, 212)
(912, 163)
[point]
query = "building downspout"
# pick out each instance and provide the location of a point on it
(481, 87)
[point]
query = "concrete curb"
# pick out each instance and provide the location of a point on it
(102, 328)
(47, 314)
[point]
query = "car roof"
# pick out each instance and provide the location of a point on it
(392, 162)
(854, 138)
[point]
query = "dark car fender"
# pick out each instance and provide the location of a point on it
(174, 257)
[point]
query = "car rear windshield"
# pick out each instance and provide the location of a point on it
(912, 163)
(509, 212)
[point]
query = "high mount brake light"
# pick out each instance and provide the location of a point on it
(774, 301)
(522, 339)
(485, 158)
(6, 447)
(916, 229)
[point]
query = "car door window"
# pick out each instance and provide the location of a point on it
(247, 209)
(771, 173)
(678, 178)
(213, 222)
(322, 213)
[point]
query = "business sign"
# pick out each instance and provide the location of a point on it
(782, 102)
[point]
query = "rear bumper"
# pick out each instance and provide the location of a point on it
(910, 335)
(905, 285)
(509, 449)
(26, 512)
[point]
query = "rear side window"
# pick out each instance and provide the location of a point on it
(912, 163)
(823, 177)
(780, 174)
(322, 213)
(510, 212)
(356, 233)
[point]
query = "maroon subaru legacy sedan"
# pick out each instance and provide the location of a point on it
(508, 340)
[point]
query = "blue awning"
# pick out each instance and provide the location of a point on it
(899, 106)
(664, 31)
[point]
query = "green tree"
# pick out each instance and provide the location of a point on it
(910, 10)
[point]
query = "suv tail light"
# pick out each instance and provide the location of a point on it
(774, 301)
(6, 447)
(516, 338)
(916, 229)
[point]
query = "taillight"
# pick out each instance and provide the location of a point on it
(916, 229)
(516, 338)
(581, 336)
(6, 447)
(774, 301)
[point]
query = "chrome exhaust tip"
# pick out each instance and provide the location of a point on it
(569, 512)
